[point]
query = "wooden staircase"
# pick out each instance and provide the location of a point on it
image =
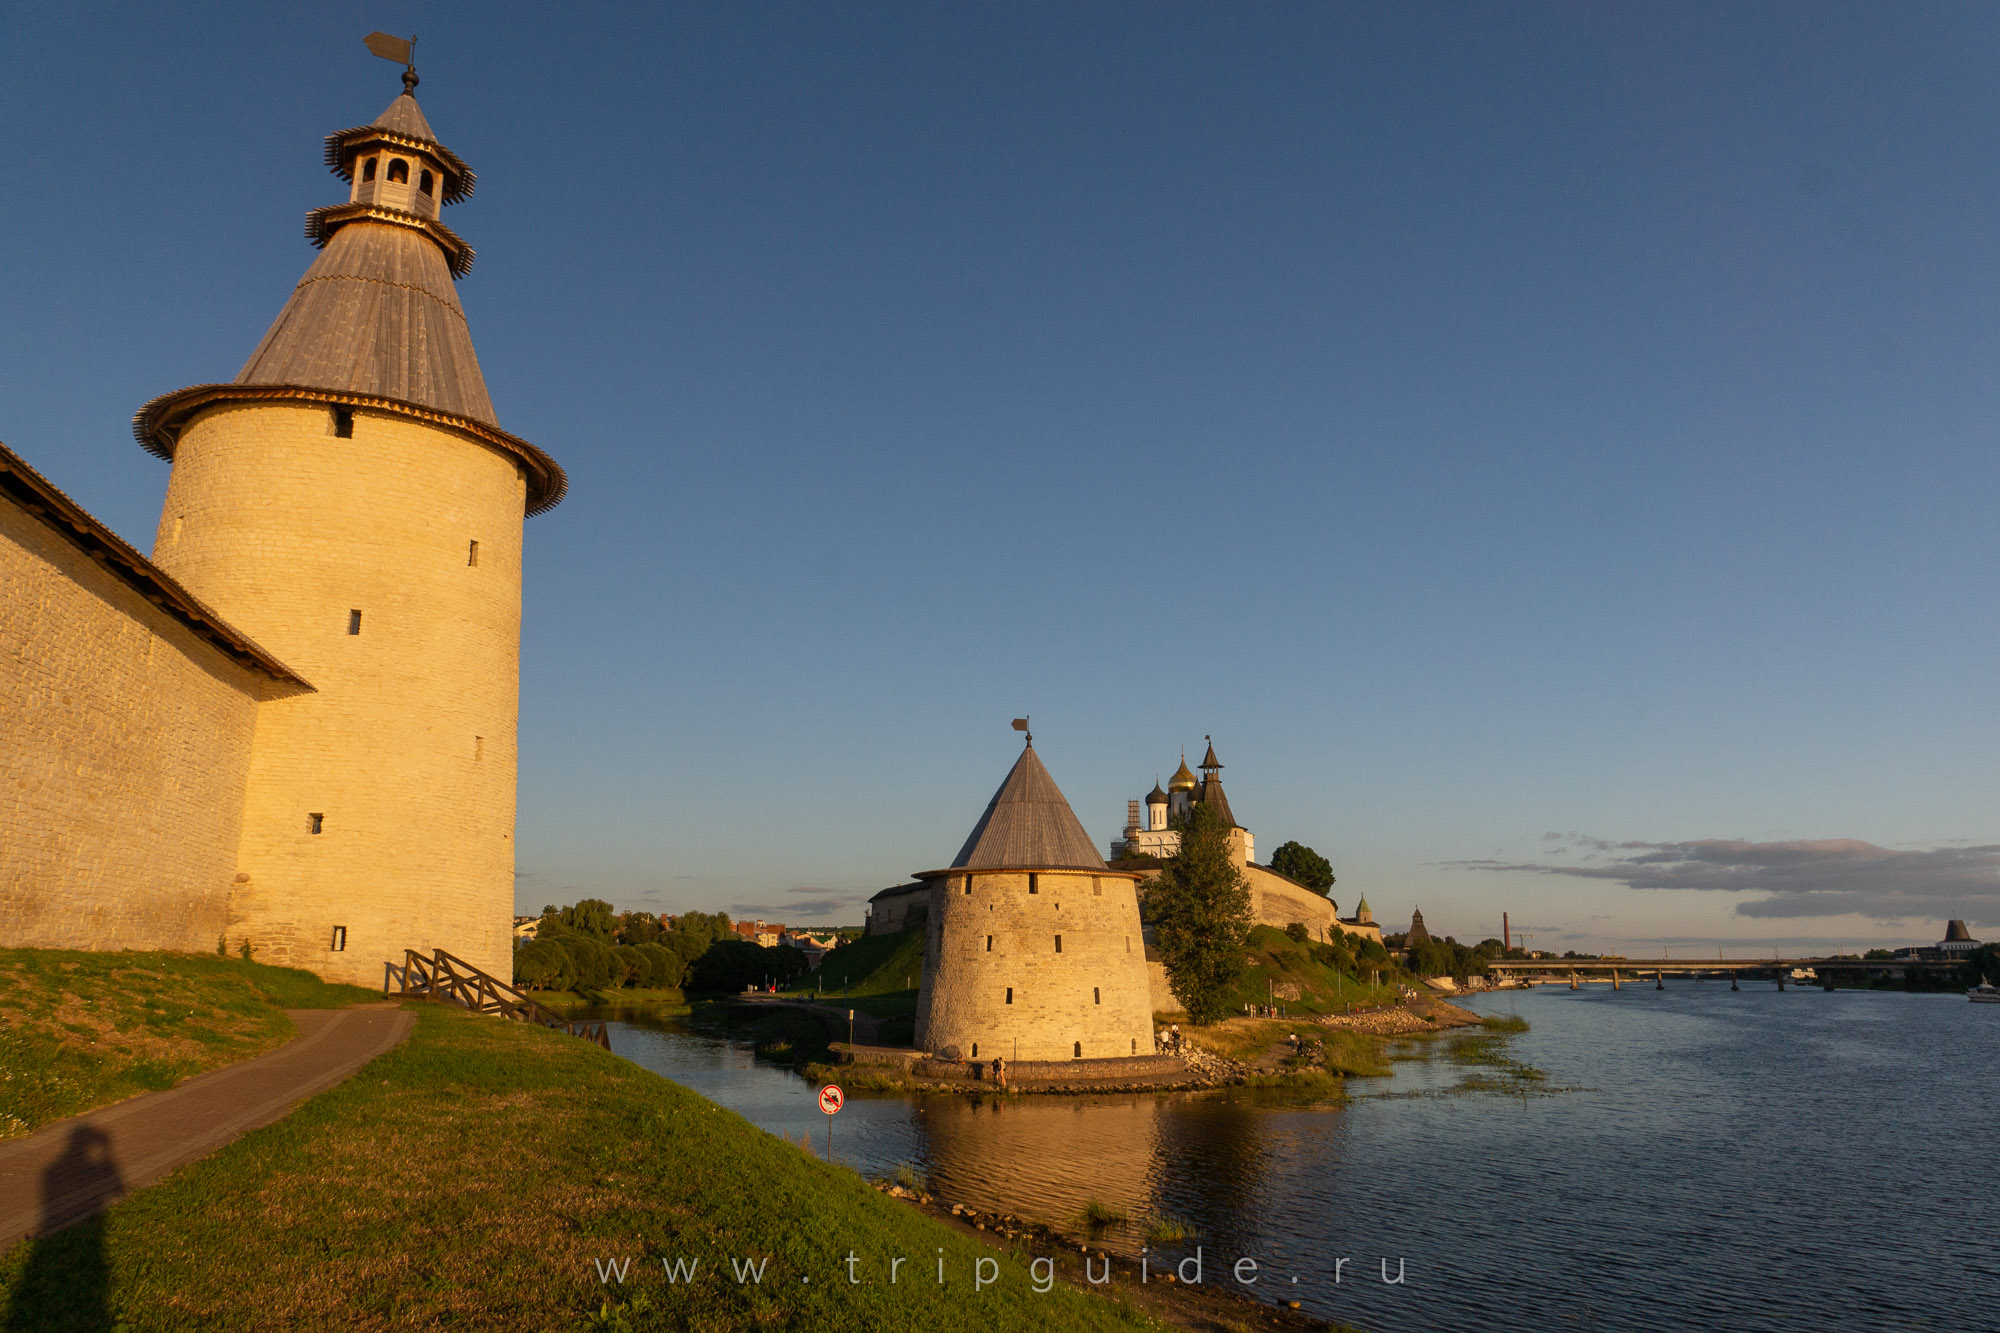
(447, 977)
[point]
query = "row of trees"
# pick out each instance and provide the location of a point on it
(590, 945)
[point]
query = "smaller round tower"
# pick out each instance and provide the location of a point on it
(1033, 950)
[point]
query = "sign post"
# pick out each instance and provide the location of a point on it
(830, 1101)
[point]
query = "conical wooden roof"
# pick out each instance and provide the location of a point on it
(376, 314)
(1028, 825)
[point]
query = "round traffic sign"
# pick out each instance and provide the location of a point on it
(830, 1098)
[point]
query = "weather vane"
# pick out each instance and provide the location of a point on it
(402, 50)
(1021, 724)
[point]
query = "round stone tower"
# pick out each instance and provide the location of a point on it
(1032, 948)
(350, 503)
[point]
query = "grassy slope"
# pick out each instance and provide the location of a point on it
(872, 965)
(469, 1179)
(1323, 989)
(79, 1030)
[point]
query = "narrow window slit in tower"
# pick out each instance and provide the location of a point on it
(472, 554)
(343, 423)
(315, 822)
(1097, 995)
(1079, 1050)
(1034, 884)
(1058, 944)
(478, 747)
(975, 1050)
(353, 622)
(968, 886)
(339, 939)
(989, 944)
(1010, 995)
(1096, 887)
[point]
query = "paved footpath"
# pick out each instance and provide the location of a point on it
(67, 1171)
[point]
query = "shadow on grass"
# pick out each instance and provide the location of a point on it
(66, 1284)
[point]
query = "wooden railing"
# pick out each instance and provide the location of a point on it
(447, 977)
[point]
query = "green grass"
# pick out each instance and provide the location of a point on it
(1166, 1229)
(871, 965)
(1275, 957)
(79, 1030)
(472, 1177)
(1099, 1215)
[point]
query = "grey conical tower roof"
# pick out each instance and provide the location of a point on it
(375, 314)
(1028, 826)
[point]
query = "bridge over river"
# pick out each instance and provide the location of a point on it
(1827, 972)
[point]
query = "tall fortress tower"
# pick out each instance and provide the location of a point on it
(350, 503)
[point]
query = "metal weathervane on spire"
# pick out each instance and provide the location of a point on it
(1021, 724)
(402, 50)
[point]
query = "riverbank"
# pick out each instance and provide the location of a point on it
(1151, 1283)
(494, 1174)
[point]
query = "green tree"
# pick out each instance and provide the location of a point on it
(1296, 861)
(667, 967)
(543, 965)
(1200, 909)
(638, 928)
(592, 917)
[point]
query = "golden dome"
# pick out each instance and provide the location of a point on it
(1182, 780)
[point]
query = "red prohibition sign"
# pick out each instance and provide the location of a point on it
(831, 1098)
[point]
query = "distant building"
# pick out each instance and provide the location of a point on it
(1957, 941)
(897, 908)
(525, 928)
(1418, 935)
(765, 933)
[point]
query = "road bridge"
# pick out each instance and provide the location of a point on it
(1827, 971)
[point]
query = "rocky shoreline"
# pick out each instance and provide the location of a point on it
(1206, 1307)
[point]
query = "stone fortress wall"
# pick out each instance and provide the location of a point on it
(407, 751)
(124, 750)
(897, 909)
(993, 976)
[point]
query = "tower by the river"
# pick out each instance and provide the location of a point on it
(350, 503)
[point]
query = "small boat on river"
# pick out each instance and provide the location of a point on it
(1983, 993)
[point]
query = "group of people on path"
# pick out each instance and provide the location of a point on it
(1264, 1011)
(1168, 1040)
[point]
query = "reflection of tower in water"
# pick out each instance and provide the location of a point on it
(1205, 1160)
(1044, 1158)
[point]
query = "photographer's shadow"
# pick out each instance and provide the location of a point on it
(66, 1284)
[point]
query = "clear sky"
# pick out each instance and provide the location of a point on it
(1550, 447)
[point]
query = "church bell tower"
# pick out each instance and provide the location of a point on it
(350, 502)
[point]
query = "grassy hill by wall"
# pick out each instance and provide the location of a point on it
(479, 1175)
(1275, 960)
(79, 1030)
(871, 965)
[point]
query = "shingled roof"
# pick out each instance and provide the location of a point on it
(1028, 826)
(376, 315)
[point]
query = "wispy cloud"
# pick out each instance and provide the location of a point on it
(803, 902)
(1828, 877)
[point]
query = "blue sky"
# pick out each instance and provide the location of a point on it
(1512, 432)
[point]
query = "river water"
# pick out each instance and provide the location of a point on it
(1693, 1158)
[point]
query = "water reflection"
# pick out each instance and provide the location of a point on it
(1750, 1161)
(1043, 1157)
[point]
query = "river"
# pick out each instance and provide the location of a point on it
(1694, 1158)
